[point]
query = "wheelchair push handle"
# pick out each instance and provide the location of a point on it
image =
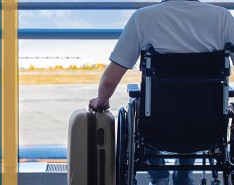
(150, 48)
(229, 47)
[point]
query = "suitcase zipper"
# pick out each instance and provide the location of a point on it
(92, 149)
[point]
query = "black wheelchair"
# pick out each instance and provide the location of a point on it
(182, 109)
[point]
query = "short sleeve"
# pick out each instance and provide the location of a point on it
(230, 32)
(127, 49)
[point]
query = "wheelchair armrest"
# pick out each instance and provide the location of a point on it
(231, 91)
(133, 90)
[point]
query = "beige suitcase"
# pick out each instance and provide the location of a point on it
(91, 148)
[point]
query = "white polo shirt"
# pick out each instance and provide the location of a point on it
(174, 27)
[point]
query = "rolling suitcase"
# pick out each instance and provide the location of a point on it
(91, 148)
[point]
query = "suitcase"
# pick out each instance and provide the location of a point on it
(91, 148)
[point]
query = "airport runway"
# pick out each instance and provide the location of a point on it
(44, 110)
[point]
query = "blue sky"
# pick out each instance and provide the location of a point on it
(86, 49)
(79, 19)
(73, 18)
(90, 51)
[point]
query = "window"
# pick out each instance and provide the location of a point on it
(58, 76)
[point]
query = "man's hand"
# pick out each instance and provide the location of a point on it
(109, 81)
(95, 105)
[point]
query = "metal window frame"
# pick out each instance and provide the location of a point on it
(84, 33)
(69, 33)
(97, 5)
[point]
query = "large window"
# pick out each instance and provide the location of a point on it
(58, 76)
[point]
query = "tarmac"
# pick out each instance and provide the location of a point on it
(44, 110)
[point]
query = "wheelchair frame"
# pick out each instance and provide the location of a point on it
(131, 146)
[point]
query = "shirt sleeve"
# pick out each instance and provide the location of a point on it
(127, 49)
(230, 32)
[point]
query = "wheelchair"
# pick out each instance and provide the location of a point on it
(181, 109)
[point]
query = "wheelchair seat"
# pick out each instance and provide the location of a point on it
(181, 107)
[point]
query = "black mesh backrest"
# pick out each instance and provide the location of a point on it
(187, 65)
(186, 102)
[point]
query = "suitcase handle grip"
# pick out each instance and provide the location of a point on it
(98, 110)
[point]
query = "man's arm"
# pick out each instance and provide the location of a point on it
(108, 83)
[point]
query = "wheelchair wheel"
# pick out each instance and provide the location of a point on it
(228, 174)
(232, 179)
(231, 154)
(125, 148)
(121, 161)
(131, 144)
(228, 179)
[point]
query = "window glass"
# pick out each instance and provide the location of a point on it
(57, 77)
(74, 19)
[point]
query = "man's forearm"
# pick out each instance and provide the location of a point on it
(105, 91)
(109, 81)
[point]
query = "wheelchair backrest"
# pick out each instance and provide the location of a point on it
(183, 103)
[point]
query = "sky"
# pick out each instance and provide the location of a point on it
(89, 51)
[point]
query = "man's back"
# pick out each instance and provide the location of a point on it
(183, 26)
(175, 27)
